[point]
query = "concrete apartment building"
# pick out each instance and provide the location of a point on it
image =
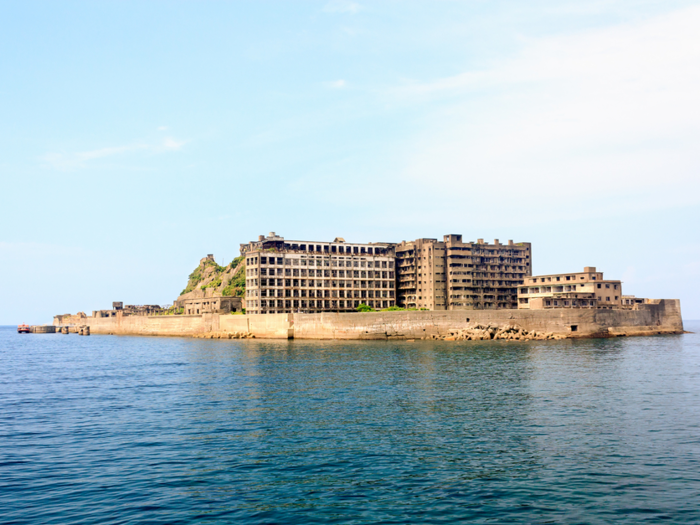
(454, 275)
(587, 289)
(284, 276)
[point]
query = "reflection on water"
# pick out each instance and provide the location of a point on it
(130, 429)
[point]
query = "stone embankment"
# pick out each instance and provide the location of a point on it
(494, 332)
(225, 335)
(661, 317)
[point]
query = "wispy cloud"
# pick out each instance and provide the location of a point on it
(336, 84)
(171, 144)
(162, 128)
(611, 112)
(66, 161)
(342, 6)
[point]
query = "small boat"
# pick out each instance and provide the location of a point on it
(23, 329)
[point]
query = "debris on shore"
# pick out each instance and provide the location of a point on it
(489, 332)
(225, 335)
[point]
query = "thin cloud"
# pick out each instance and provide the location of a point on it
(162, 128)
(342, 6)
(336, 84)
(66, 161)
(601, 121)
(171, 144)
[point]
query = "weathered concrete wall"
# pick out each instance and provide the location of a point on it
(153, 325)
(264, 326)
(273, 326)
(663, 317)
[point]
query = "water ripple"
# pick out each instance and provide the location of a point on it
(105, 429)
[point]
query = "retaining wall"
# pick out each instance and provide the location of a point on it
(662, 317)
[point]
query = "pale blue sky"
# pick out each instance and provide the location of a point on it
(138, 136)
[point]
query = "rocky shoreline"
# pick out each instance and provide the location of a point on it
(495, 332)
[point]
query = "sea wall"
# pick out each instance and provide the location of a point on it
(153, 324)
(660, 318)
(663, 317)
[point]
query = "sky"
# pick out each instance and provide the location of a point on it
(140, 136)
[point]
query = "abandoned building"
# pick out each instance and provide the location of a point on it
(129, 309)
(310, 276)
(587, 289)
(206, 305)
(456, 275)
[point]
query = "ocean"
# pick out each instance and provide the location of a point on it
(120, 430)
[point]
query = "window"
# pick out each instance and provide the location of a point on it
(599, 285)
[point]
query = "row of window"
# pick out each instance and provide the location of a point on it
(311, 283)
(317, 304)
(571, 288)
(339, 262)
(287, 272)
(566, 277)
(319, 293)
(572, 303)
(326, 248)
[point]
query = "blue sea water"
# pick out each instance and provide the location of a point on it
(106, 429)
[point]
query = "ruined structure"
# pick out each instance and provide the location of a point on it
(585, 289)
(129, 309)
(456, 275)
(216, 304)
(311, 276)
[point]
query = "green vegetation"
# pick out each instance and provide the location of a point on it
(214, 284)
(236, 285)
(213, 264)
(236, 261)
(173, 310)
(193, 280)
(197, 276)
(365, 308)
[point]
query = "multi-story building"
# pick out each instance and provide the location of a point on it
(587, 289)
(454, 275)
(420, 267)
(307, 276)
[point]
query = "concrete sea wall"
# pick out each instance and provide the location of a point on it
(663, 317)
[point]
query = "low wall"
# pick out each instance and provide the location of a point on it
(662, 317)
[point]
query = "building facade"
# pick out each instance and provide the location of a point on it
(587, 289)
(456, 275)
(421, 279)
(309, 276)
(216, 304)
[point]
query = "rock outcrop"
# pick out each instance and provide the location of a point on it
(212, 280)
(490, 332)
(225, 335)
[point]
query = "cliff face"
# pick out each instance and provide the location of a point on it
(211, 280)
